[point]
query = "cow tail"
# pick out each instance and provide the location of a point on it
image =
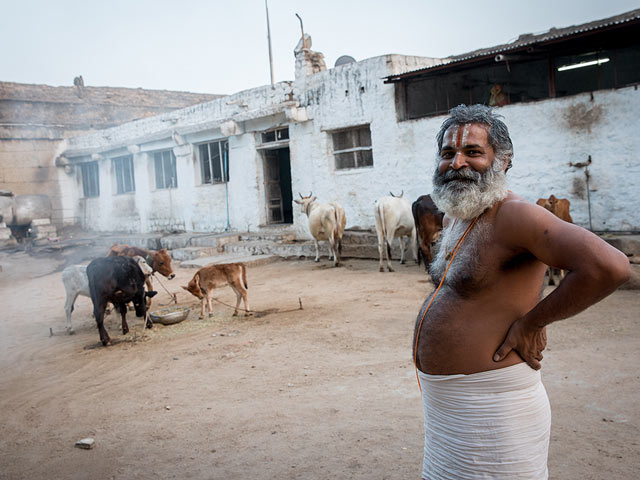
(416, 223)
(244, 276)
(384, 229)
(337, 234)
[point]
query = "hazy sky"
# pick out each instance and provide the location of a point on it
(213, 46)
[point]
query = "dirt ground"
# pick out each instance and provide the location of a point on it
(327, 392)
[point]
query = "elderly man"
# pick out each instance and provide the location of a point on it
(479, 337)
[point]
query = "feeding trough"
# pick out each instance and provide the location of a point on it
(169, 315)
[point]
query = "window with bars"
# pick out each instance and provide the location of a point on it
(352, 148)
(214, 162)
(165, 169)
(90, 179)
(123, 168)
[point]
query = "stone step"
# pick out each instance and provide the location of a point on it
(307, 249)
(269, 236)
(248, 260)
(190, 253)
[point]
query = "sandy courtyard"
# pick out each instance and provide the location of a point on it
(327, 392)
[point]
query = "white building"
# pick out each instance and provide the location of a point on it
(354, 132)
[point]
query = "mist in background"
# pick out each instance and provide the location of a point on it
(221, 47)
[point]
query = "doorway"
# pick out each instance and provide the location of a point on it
(279, 199)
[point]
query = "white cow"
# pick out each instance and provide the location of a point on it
(394, 219)
(326, 222)
(76, 283)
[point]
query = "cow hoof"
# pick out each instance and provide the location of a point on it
(382, 269)
(248, 314)
(402, 262)
(125, 331)
(71, 331)
(390, 269)
(149, 324)
(210, 314)
(316, 260)
(201, 317)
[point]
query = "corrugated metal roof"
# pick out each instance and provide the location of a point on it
(528, 40)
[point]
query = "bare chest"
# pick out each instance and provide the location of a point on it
(479, 263)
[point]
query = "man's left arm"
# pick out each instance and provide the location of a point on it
(595, 270)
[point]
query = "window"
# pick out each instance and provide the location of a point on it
(586, 72)
(352, 148)
(123, 168)
(278, 135)
(165, 167)
(535, 76)
(493, 84)
(214, 162)
(90, 179)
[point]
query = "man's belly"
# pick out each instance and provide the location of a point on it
(464, 339)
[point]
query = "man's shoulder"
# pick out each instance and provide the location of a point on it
(516, 214)
(514, 207)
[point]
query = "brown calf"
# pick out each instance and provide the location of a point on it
(560, 208)
(213, 276)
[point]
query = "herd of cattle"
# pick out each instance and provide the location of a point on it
(121, 276)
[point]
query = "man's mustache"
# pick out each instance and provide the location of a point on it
(462, 174)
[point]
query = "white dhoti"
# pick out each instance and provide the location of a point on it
(492, 424)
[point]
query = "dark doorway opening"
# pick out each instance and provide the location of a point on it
(278, 185)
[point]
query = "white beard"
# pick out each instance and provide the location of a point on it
(466, 199)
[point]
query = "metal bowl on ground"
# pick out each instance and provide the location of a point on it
(169, 315)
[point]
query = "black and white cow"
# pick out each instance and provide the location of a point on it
(76, 283)
(118, 280)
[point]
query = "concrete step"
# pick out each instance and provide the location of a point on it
(361, 248)
(248, 260)
(269, 236)
(190, 253)
(359, 237)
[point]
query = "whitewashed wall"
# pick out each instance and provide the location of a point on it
(550, 134)
(547, 135)
(352, 95)
(192, 206)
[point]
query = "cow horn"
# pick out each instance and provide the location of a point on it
(391, 193)
(300, 195)
(310, 194)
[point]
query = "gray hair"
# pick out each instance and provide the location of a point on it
(498, 133)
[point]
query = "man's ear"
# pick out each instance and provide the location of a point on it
(507, 165)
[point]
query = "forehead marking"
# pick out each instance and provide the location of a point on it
(465, 134)
(458, 134)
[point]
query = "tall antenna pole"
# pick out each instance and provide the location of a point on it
(269, 42)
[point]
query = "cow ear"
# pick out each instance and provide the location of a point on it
(186, 288)
(297, 201)
(313, 199)
(150, 294)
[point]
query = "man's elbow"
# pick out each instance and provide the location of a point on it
(618, 270)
